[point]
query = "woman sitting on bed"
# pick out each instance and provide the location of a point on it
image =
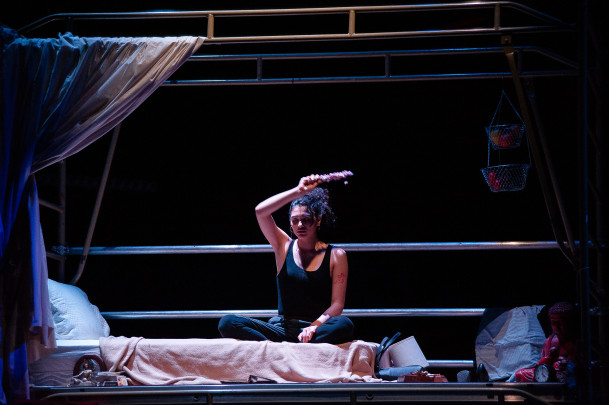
(311, 275)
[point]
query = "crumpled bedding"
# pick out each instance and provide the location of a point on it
(211, 361)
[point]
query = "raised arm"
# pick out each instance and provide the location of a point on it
(278, 238)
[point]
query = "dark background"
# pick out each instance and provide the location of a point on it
(192, 163)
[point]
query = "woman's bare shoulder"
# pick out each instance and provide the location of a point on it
(338, 253)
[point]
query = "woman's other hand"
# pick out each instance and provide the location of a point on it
(307, 334)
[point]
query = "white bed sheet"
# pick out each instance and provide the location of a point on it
(57, 368)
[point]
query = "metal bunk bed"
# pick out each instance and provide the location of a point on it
(499, 33)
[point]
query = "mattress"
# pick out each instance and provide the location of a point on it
(57, 368)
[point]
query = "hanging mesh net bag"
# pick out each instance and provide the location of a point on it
(507, 127)
(500, 176)
(512, 177)
(505, 136)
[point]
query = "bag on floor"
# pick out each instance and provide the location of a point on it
(394, 359)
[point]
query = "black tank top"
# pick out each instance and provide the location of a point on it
(304, 294)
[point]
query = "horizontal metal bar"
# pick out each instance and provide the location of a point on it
(372, 35)
(382, 54)
(451, 363)
(439, 246)
(309, 10)
(364, 79)
(248, 393)
(353, 247)
(379, 53)
(341, 55)
(267, 313)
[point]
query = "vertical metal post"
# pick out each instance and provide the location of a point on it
(602, 230)
(599, 82)
(351, 22)
(585, 382)
(387, 66)
(259, 68)
(594, 200)
(94, 215)
(210, 26)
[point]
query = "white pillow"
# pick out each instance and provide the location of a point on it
(74, 316)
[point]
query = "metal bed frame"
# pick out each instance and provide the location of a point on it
(577, 253)
(352, 393)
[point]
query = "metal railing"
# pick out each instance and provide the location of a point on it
(467, 393)
(253, 68)
(351, 247)
(264, 313)
(348, 30)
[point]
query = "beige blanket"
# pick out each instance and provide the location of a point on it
(209, 361)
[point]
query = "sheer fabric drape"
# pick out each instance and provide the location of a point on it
(58, 95)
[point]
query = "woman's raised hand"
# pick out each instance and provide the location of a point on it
(308, 183)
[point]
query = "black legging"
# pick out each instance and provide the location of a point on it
(336, 330)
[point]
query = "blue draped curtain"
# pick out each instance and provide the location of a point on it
(58, 95)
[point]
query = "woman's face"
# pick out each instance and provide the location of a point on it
(302, 222)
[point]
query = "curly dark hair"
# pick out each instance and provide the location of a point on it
(317, 203)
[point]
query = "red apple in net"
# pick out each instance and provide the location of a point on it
(509, 136)
(493, 181)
